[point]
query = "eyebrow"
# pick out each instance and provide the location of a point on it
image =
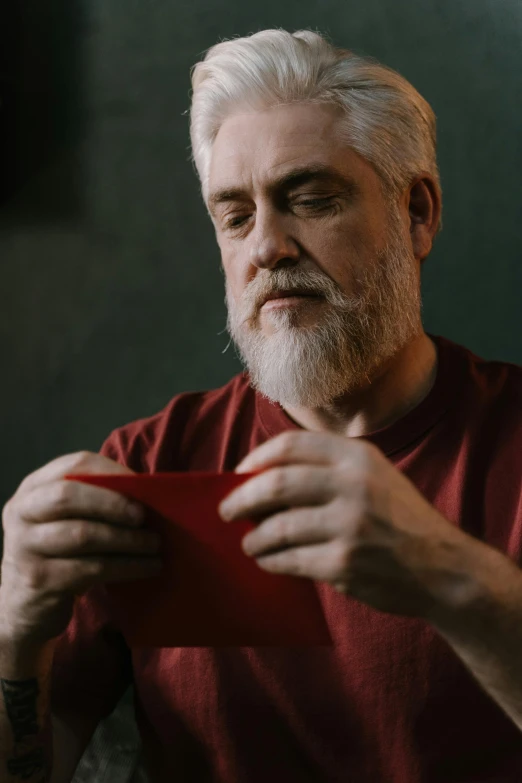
(301, 175)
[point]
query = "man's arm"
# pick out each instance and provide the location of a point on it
(484, 628)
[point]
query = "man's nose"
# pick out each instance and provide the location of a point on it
(271, 240)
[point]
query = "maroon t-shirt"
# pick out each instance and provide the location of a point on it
(390, 702)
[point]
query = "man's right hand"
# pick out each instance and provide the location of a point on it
(60, 538)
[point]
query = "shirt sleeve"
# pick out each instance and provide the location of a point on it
(92, 664)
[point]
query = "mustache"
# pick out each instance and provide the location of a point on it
(252, 301)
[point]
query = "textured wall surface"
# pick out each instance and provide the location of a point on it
(112, 299)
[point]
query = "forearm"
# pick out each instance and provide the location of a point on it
(485, 630)
(25, 724)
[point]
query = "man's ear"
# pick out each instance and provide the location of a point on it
(424, 209)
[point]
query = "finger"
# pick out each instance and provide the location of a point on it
(81, 573)
(319, 448)
(66, 499)
(79, 462)
(290, 529)
(319, 562)
(73, 537)
(278, 488)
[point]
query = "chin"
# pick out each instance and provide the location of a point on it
(296, 369)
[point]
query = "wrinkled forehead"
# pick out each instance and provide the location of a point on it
(262, 141)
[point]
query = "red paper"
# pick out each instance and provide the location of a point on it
(209, 592)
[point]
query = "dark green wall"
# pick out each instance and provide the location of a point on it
(112, 299)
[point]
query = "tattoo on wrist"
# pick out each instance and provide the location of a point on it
(20, 699)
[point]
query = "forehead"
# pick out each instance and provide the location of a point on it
(254, 150)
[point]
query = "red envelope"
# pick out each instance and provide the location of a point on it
(209, 592)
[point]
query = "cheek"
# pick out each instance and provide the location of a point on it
(359, 235)
(235, 273)
(344, 253)
(232, 284)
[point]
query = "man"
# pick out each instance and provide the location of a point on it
(391, 470)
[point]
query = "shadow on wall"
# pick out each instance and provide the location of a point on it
(41, 111)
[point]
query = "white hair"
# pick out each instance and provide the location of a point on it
(385, 119)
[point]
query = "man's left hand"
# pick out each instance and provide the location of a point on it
(335, 509)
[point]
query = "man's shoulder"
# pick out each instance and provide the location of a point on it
(190, 403)
(498, 378)
(492, 378)
(137, 442)
(486, 400)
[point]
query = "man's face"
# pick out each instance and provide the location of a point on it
(330, 232)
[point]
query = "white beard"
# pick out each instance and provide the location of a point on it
(312, 366)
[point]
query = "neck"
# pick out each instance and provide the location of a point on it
(396, 387)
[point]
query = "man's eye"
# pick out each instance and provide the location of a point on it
(235, 222)
(314, 202)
